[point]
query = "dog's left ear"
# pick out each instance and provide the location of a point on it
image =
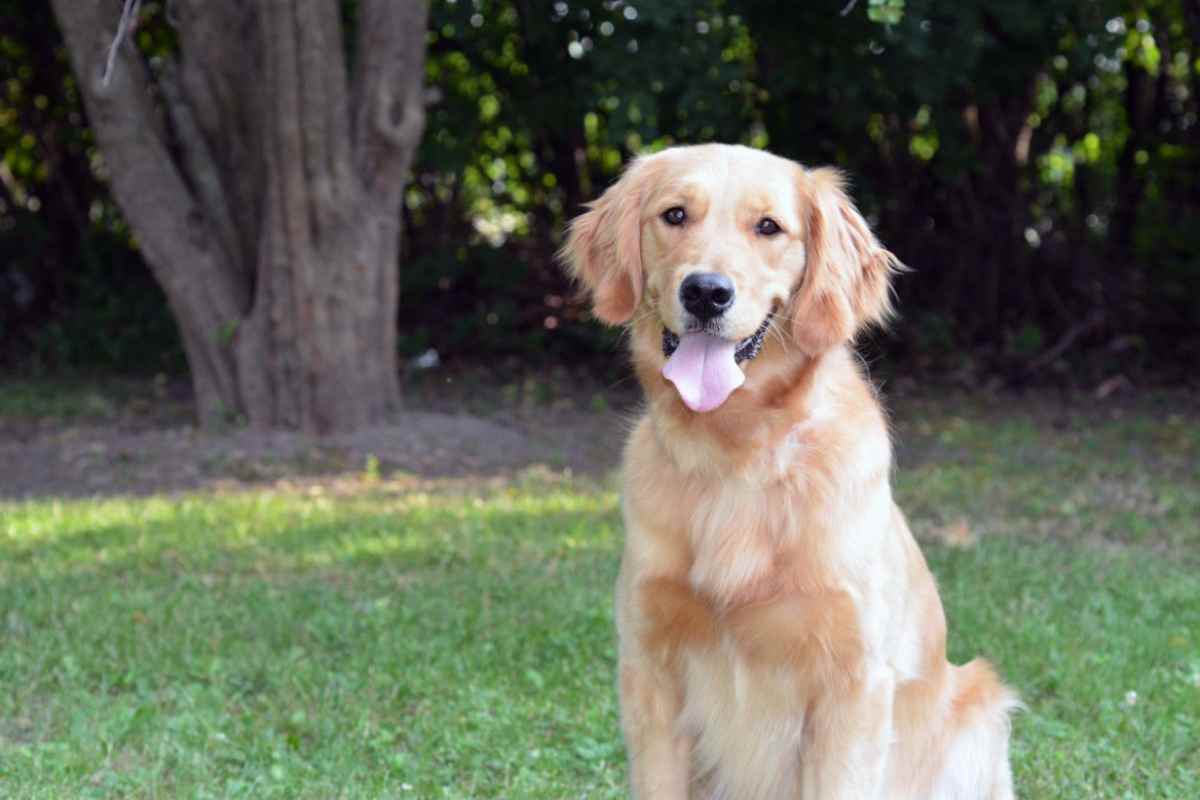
(846, 284)
(604, 247)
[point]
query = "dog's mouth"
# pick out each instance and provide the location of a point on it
(705, 368)
(747, 349)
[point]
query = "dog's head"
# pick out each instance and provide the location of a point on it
(706, 250)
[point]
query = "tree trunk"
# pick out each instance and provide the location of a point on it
(264, 182)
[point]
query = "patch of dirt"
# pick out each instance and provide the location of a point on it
(447, 433)
(465, 425)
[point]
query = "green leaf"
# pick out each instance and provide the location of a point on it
(885, 12)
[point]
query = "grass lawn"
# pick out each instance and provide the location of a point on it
(363, 639)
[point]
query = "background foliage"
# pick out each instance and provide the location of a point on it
(1037, 164)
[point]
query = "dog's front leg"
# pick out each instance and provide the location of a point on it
(657, 618)
(658, 753)
(850, 726)
(848, 698)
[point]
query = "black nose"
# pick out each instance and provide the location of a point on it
(706, 294)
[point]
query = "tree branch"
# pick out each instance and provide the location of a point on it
(129, 16)
(218, 46)
(389, 103)
(201, 165)
(1089, 323)
(150, 189)
(400, 134)
(309, 167)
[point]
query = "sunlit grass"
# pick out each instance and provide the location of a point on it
(287, 645)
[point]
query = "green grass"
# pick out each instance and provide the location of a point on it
(384, 642)
(309, 646)
(83, 398)
(1134, 479)
(60, 400)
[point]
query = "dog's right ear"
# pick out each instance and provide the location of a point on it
(604, 248)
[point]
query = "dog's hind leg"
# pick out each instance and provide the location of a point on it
(975, 764)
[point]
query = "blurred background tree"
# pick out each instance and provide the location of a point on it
(259, 154)
(1037, 164)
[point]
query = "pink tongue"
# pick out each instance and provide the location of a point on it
(703, 370)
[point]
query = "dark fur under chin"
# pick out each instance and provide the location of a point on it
(746, 351)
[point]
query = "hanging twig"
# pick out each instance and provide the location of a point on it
(128, 15)
(849, 7)
(1094, 320)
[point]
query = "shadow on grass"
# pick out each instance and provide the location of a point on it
(293, 534)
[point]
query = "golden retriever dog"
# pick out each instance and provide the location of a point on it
(780, 634)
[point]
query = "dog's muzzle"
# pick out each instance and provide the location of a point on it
(747, 349)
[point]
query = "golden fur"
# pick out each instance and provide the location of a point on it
(780, 634)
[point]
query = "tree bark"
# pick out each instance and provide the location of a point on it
(264, 185)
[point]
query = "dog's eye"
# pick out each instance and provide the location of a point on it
(675, 215)
(767, 227)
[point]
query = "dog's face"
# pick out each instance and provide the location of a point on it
(720, 253)
(706, 249)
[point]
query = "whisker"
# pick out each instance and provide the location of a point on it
(779, 335)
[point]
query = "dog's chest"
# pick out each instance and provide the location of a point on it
(730, 545)
(741, 539)
(746, 718)
(746, 723)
